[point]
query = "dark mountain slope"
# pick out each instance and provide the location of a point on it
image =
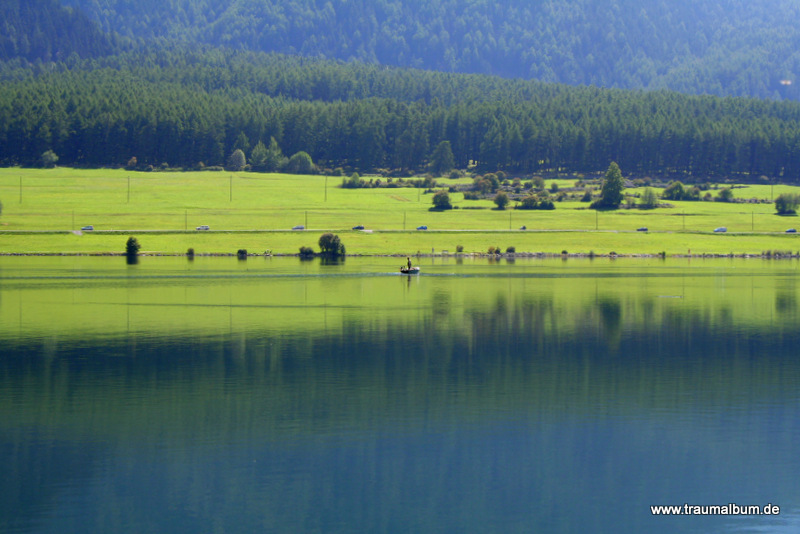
(725, 47)
(45, 30)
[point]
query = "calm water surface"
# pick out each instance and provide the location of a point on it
(271, 395)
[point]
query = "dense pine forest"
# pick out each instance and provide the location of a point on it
(721, 47)
(183, 107)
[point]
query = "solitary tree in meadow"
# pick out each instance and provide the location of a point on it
(613, 184)
(331, 245)
(786, 203)
(132, 250)
(441, 200)
(501, 199)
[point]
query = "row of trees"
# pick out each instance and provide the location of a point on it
(185, 108)
(263, 159)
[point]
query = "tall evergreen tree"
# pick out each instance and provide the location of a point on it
(611, 193)
(442, 160)
(275, 159)
(258, 157)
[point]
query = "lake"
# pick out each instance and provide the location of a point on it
(279, 395)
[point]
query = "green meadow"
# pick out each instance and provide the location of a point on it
(44, 210)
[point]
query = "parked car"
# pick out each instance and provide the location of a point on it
(359, 227)
(642, 229)
(423, 227)
(88, 228)
(523, 227)
(791, 231)
(203, 227)
(721, 230)
(299, 227)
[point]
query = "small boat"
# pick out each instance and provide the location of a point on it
(409, 270)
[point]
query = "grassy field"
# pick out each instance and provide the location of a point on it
(43, 211)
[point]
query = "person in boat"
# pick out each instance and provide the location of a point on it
(409, 262)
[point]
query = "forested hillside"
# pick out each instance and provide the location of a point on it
(184, 107)
(722, 47)
(44, 30)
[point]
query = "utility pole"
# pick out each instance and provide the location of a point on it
(129, 189)
(20, 189)
(326, 188)
(231, 189)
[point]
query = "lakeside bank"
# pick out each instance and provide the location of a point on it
(434, 243)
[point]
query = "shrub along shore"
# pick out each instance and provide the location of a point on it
(436, 244)
(769, 254)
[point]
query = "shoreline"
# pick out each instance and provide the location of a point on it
(769, 255)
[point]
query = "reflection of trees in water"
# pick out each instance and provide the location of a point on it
(332, 260)
(537, 358)
(521, 343)
(512, 327)
(440, 303)
(785, 302)
(521, 354)
(786, 297)
(610, 309)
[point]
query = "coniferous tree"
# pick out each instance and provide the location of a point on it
(611, 192)
(258, 157)
(275, 159)
(242, 143)
(442, 160)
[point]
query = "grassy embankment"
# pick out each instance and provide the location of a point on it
(43, 211)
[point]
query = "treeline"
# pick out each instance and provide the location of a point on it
(722, 47)
(183, 108)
